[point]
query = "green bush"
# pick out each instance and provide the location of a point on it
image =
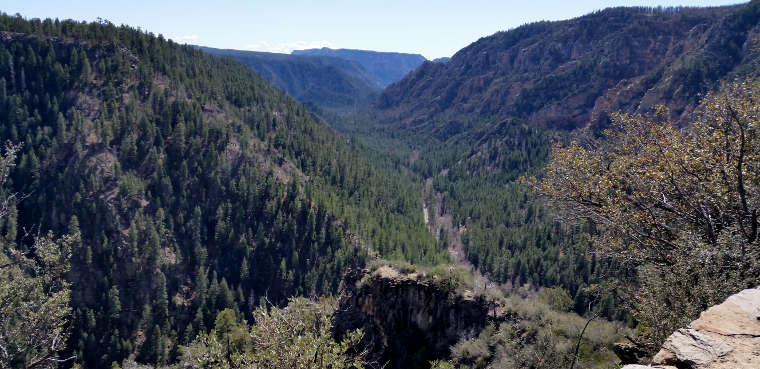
(556, 297)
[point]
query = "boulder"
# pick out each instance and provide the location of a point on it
(726, 336)
(691, 347)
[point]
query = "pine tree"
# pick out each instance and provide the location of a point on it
(161, 302)
(114, 306)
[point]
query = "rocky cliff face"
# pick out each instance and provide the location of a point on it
(408, 319)
(575, 72)
(726, 336)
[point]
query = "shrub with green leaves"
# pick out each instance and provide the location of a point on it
(297, 336)
(34, 296)
(680, 206)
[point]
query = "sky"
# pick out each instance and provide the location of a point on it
(433, 28)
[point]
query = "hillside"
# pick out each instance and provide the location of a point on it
(491, 113)
(573, 73)
(188, 207)
(383, 67)
(190, 186)
(488, 116)
(329, 82)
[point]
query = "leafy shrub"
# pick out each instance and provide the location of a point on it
(680, 206)
(556, 297)
(297, 336)
(539, 337)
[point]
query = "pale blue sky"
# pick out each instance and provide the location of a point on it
(433, 28)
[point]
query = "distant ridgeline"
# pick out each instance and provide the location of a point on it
(383, 68)
(329, 82)
(335, 80)
(193, 184)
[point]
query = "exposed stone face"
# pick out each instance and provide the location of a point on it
(726, 336)
(574, 73)
(407, 319)
(738, 315)
(691, 347)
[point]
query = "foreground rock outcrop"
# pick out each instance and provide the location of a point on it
(408, 318)
(726, 336)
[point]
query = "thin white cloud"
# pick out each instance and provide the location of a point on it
(187, 39)
(286, 47)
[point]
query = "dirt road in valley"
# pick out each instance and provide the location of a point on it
(440, 223)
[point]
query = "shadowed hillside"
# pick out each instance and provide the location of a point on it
(383, 67)
(189, 183)
(329, 82)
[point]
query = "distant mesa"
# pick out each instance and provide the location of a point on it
(331, 79)
(329, 82)
(383, 67)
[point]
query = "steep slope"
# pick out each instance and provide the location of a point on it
(490, 114)
(191, 184)
(407, 319)
(410, 317)
(383, 67)
(572, 73)
(329, 82)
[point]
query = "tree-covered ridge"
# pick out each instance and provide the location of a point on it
(574, 72)
(330, 82)
(384, 68)
(195, 185)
